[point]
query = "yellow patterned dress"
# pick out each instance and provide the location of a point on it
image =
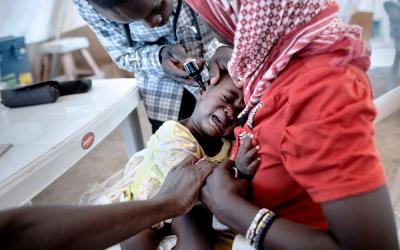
(170, 145)
(146, 170)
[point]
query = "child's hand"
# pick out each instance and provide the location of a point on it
(246, 161)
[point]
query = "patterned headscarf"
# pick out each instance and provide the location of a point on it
(268, 33)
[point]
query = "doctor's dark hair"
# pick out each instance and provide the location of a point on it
(107, 4)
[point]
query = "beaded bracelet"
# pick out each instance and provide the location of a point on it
(262, 228)
(251, 230)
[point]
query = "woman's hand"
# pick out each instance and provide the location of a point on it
(221, 189)
(183, 183)
(218, 63)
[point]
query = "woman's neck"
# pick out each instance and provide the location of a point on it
(211, 145)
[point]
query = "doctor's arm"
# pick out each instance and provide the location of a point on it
(98, 227)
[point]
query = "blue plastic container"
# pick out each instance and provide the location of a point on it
(14, 65)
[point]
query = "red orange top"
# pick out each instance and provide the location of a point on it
(316, 136)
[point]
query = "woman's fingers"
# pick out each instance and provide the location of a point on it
(218, 63)
(238, 83)
(214, 71)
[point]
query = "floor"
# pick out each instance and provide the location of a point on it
(110, 155)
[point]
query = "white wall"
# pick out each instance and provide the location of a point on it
(36, 19)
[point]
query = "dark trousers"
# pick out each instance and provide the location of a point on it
(187, 106)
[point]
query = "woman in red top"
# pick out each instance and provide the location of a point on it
(310, 109)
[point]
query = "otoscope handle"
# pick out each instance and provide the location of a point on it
(194, 72)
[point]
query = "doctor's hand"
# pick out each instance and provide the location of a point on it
(172, 58)
(183, 183)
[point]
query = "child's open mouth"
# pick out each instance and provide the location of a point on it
(220, 123)
(222, 120)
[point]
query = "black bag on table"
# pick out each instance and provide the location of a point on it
(43, 92)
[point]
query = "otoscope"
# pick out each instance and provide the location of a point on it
(193, 70)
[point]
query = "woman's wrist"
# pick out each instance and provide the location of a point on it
(238, 218)
(224, 204)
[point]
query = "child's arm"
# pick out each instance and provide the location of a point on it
(246, 161)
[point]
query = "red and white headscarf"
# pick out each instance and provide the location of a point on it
(268, 33)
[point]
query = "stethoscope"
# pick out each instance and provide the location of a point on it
(195, 23)
(191, 66)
